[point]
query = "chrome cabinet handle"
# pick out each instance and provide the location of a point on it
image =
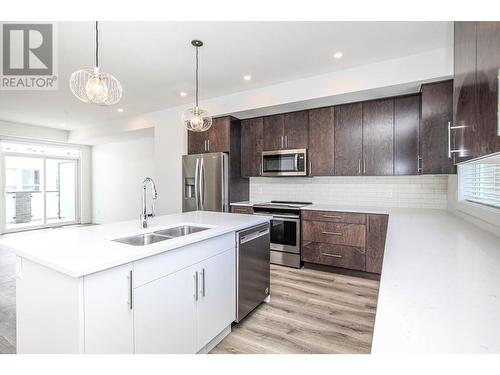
(359, 166)
(281, 141)
(208, 145)
(310, 172)
(449, 139)
(203, 282)
(364, 166)
(332, 255)
(333, 233)
(131, 289)
(332, 217)
(450, 128)
(195, 276)
(286, 141)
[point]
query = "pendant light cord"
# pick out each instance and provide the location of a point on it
(196, 79)
(97, 44)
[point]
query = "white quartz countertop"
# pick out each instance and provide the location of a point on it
(80, 251)
(340, 208)
(440, 286)
(327, 207)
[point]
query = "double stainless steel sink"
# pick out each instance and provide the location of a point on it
(160, 235)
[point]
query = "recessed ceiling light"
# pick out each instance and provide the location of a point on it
(247, 77)
(338, 55)
(120, 110)
(182, 93)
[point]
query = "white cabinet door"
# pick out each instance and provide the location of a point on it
(109, 324)
(217, 302)
(165, 314)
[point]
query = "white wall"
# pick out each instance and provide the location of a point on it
(118, 170)
(389, 191)
(11, 129)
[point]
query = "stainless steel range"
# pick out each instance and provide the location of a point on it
(285, 230)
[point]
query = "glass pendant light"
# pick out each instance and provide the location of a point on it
(197, 119)
(92, 85)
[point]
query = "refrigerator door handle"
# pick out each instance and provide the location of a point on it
(202, 185)
(196, 184)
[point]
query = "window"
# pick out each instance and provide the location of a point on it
(40, 186)
(480, 182)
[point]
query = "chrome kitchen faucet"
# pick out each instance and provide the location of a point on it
(144, 214)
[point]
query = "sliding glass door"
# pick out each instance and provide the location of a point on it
(39, 191)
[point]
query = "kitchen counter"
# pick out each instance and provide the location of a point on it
(77, 291)
(81, 251)
(338, 208)
(440, 283)
(440, 286)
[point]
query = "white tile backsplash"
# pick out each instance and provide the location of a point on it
(387, 191)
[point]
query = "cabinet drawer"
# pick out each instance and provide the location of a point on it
(335, 233)
(334, 255)
(334, 216)
(242, 210)
(168, 262)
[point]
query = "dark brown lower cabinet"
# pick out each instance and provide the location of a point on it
(378, 137)
(406, 135)
(334, 255)
(334, 233)
(376, 231)
(248, 210)
(332, 239)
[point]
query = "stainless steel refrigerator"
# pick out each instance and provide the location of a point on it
(205, 182)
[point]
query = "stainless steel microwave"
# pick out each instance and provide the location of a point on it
(284, 163)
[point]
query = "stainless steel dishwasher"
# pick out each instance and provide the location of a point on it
(252, 268)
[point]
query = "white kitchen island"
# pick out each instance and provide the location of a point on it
(78, 291)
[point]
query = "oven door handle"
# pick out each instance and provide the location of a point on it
(297, 217)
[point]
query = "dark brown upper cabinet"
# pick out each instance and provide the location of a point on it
(219, 135)
(273, 127)
(286, 131)
(487, 136)
(215, 139)
(296, 130)
(321, 142)
(378, 137)
(251, 147)
(197, 142)
(406, 135)
(464, 120)
(348, 141)
(437, 101)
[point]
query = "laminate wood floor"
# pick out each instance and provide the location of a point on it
(310, 312)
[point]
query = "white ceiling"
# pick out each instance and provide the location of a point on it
(154, 61)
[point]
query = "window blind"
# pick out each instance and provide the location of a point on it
(480, 183)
